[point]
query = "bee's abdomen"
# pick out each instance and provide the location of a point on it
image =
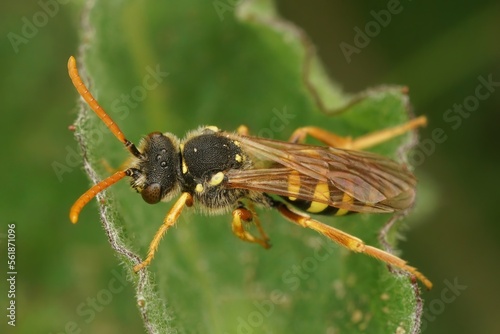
(322, 192)
(317, 208)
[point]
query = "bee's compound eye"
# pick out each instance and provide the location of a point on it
(152, 193)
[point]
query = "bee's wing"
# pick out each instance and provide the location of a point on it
(376, 184)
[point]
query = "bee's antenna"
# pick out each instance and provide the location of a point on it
(87, 96)
(89, 194)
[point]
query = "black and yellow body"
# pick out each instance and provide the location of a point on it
(196, 165)
(231, 172)
(219, 170)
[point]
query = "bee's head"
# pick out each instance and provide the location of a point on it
(154, 171)
(154, 166)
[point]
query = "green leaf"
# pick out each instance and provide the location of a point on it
(228, 66)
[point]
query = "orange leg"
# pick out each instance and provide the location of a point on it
(350, 242)
(243, 215)
(359, 143)
(184, 200)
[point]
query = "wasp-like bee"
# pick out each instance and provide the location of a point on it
(224, 172)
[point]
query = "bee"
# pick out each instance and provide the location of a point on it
(232, 172)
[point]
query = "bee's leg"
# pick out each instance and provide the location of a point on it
(257, 223)
(242, 215)
(184, 200)
(348, 241)
(359, 143)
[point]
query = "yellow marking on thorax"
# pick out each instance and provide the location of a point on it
(293, 184)
(199, 188)
(345, 199)
(184, 166)
(212, 128)
(216, 179)
(321, 192)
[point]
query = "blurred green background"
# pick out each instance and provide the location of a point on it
(438, 50)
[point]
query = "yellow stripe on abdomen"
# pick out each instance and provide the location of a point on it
(293, 184)
(345, 199)
(321, 192)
